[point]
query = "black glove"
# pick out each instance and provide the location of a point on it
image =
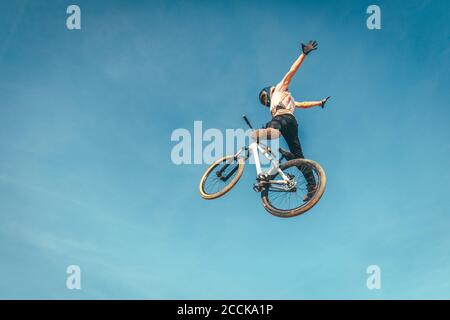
(325, 101)
(310, 46)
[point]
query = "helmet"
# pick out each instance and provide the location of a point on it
(265, 90)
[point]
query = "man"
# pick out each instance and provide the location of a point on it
(282, 106)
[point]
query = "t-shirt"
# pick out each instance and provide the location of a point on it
(281, 101)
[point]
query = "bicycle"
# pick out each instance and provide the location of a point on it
(288, 181)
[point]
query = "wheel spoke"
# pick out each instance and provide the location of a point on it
(291, 200)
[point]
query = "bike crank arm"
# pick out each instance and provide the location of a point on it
(277, 182)
(282, 189)
(281, 185)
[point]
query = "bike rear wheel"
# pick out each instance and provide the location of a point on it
(220, 177)
(291, 203)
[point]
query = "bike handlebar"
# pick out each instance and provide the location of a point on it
(246, 121)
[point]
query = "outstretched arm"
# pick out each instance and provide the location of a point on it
(310, 104)
(292, 71)
(307, 104)
(312, 45)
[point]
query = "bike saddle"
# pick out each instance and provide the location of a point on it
(286, 154)
(265, 134)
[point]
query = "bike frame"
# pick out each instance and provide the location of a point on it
(255, 149)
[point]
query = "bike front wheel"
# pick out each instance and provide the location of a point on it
(310, 181)
(220, 177)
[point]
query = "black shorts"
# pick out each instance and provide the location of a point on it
(288, 126)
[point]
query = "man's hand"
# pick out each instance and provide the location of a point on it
(310, 46)
(324, 101)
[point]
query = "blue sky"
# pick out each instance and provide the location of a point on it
(86, 176)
